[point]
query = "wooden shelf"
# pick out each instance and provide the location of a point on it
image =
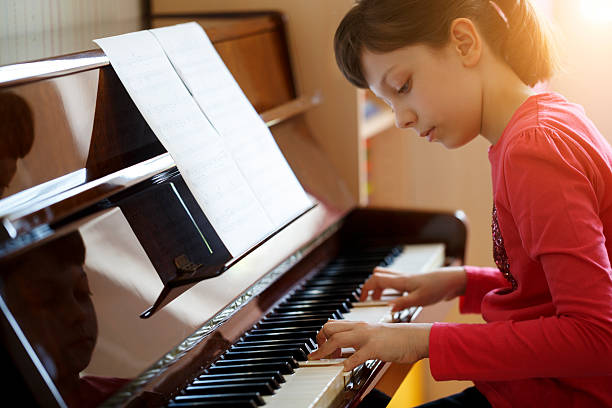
(292, 108)
(376, 124)
(376, 116)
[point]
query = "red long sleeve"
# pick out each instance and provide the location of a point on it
(548, 336)
(480, 281)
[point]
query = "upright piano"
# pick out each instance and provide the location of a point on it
(107, 295)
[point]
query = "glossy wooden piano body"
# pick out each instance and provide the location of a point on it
(86, 163)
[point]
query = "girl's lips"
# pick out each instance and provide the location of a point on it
(428, 134)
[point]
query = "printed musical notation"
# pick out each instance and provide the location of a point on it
(224, 151)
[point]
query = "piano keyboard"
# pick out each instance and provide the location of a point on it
(268, 365)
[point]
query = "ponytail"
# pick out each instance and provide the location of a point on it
(525, 43)
(512, 28)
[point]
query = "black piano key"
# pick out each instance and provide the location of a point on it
(358, 262)
(334, 273)
(228, 376)
(267, 324)
(306, 314)
(318, 298)
(287, 329)
(327, 296)
(270, 380)
(327, 301)
(333, 281)
(323, 306)
(280, 335)
(216, 404)
(243, 347)
(206, 389)
(339, 292)
(282, 367)
(246, 396)
(309, 341)
(306, 347)
(259, 360)
(331, 287)
(335, 313)
(314, 307)
(296, 353)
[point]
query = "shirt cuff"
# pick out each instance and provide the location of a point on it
(480, 281)
(439, 370)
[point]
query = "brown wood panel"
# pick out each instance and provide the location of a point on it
(253, 48)
(223, 26)
(257, 65)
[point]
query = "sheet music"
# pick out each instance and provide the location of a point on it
(246, 136)
(208, 168)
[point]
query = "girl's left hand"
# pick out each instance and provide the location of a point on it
(393, 342)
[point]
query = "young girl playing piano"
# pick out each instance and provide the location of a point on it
(453, 70)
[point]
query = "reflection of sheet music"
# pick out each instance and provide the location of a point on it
(209, 170)
(247, 138)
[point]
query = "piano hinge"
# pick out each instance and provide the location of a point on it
(184, 265)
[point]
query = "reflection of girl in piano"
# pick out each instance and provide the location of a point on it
(453, 70)
(48, 293)
(16, 135)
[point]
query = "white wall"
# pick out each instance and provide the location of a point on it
(586, 48)
(35, 29)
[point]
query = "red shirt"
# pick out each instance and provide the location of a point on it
(548, 306)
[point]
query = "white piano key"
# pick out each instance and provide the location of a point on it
(419, 258)
(371, 314)
(311, 387)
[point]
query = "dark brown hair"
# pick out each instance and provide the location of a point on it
(511, 28)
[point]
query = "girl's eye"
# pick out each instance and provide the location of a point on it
(406, 87)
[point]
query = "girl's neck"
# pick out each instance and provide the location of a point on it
(503, 93)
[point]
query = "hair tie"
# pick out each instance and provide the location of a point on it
(500, 12)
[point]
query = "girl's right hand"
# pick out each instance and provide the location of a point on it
(423, 289)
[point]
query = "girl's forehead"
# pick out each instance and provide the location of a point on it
(377, 65)
(419, 56)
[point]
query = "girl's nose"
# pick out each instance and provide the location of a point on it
(405, 119)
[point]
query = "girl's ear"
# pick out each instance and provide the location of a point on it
(465, 39)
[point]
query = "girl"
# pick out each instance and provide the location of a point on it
(453, 70)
